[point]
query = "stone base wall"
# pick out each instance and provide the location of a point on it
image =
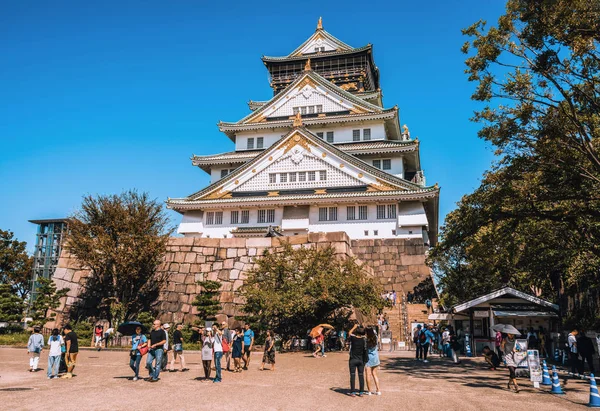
(397, 263)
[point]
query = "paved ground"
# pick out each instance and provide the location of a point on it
(103, 382)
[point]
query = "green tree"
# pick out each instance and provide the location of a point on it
(122, 240)
(207, 302)
(296, 289)
(534, 221)
(15, 264)
(47, 299)
(11, 305)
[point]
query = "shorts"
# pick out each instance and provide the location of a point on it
(72, 360)
(247, 349)
(178, 348)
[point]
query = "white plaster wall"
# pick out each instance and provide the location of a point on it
(397, 162)
(215, 173)
(270, 138)
(320, 42)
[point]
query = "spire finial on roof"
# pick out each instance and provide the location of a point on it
(298, 120)
(320, 24)
(307, 65)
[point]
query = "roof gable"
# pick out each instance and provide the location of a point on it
(502, 292)
(300, 145)
(322, 40)
(310, 90)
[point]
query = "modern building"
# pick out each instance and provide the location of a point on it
(48, 245)
(324, 154)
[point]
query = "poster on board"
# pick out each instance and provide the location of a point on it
(520, 355)
(535, 368)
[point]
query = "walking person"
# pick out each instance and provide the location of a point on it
(425, 339)
(373, 363)
(55, 341)
(207, 352)
(446, 342)
(417, 342)
(573, 352)
(98, 331)
(318, 342)
(454, 346)
(35, 345)
(226, 347)
(166, 348)
(135, 356)
(218, 351)
(248, 345)
(498, 343)
(72, 350)
(269, 354)
(585, 347)
(509, 347)
(178, 349)
(357, 360)
(238, 349)
(158, 339)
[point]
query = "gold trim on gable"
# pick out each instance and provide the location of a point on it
(217, 194)
(273, 194)
(381, 186)
(321, 191)
(297, 139)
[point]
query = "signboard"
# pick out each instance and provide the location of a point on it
(401, 344)
(481, 314)
(520, 357)
(386, 337)
(535, 369)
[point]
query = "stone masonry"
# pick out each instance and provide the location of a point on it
(397, 263)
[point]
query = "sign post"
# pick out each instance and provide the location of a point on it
(535, 369)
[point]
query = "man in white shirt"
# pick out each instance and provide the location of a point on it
(573, 353)
(165, 358)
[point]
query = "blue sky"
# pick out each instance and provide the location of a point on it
(101, 97)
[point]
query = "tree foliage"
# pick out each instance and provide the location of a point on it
(207, 302)
(11, 305)
(15, 264)
(47, 298)
(296, 289)
(534, 221)
(122, 240)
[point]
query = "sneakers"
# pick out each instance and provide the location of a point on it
(425, 360)
(185, 369)
(378, 393)
(368, 393)
(135, 378)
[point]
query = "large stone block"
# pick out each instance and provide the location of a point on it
(258, 242)
(231, 252)
(233, 242)
(413, 259)
(185, 268)
(222, 253)
(190, 258)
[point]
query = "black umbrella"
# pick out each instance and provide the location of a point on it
(128, 328)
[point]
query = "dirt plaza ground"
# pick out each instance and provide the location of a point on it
(301, 382)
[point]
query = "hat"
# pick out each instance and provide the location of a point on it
(418, 325)
(166, 326)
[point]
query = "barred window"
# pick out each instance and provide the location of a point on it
(355, 135)
(302, 110)
(245, 217)
(296, 110)
(323, 214)
(381, 212)
(292, 177)
(319, 108)
(210, 218)
(377, 164)
(323, 175)
(320, 135)
(312, 175)
(219, 217)
(350, 213)
(311, 109)
(271, 216)
(224, 172)
(250, 145)
(391, 211)
(259, 142)
(367, 134)
(332, 213)
(362, 212)
(283, 178)
(386, 211)
(302, 176)
(328, 214)
(235, 217)
(262, 216)
(330, 136)
(272, 178)
(375, 232)
(387, 164)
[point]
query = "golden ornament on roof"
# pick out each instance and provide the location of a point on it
(320, 24)
(307, 65)
(298, 120)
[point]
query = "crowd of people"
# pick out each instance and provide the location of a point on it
(63, 350)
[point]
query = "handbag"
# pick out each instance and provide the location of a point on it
(225, 344)
(143, 350)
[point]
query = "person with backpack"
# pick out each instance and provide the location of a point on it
(55, 342)
(178, 349)
(358, 358)
(35, 345)
(425, 339)
(418, 347)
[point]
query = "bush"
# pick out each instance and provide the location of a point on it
(15, 339)
(84, 330)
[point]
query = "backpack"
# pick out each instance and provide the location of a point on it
(422, 337)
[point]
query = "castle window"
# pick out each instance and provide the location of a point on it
(272, 178)
(271, 216)
(377, 164)
(323, 175)
(219, 217)
(245, 217)
(302, 176)
(296, 110)
(366, 232)
(250, 145)
(320, 135)
(210, 218)
(391, 211)
(375, 232)
(259, 142)
(367, 134)
(292, 177)
(266, 216)
(328, 214)
(283, 178)
(362, 212)
(387, 164)
(351, 213)
(303, 110)
(311, 109)
(224, 172)
(312, 175)
(330, 136)
(355, 135)
(386, 211)
(319, 108)
(235, 217)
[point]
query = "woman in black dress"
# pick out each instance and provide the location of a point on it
(358, 358)
(238, 349)
(269, 355)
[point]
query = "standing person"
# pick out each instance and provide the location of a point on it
(416, 341)
(454, 346)
(98, 331)
(269, 354)
(248, 345)
(585, 347)
(542, 334)
(34, 348)
(446, 342)
(358, 358)
(342, 339)
(532, 339)
(509, 345)
(238, 349)
(394, 296)
(158, 339)
(135, 356)
(573, 352)
(178, 349)
(72, 349)
(227, 337)
(166, 348)
(55, 341)
(373, 361)
(425, 339)
(207, 353)
(498, 343)
(218, 350)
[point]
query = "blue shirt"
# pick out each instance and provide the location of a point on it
(429, 335)
(248, 336)
(137, 340)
